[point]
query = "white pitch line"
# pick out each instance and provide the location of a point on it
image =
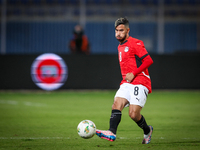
(34, 104)
(11, 102)
(124, 138)
(32, 138)
(54, 138)
(8, 102)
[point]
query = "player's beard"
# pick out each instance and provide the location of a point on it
(121, 40)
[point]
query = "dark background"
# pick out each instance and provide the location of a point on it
(179, 71)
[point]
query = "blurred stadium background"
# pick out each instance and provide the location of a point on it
(39, 26)
(32, 27)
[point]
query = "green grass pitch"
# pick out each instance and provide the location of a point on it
(39, 120)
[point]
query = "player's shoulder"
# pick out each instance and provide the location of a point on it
(135, 41)
(132, 38)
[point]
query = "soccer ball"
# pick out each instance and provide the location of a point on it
(86, 129)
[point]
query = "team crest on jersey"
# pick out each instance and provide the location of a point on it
(126, 49)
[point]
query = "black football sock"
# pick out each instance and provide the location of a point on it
(115, 120)
(142, 124)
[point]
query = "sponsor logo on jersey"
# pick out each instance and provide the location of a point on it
(126, 49)
(49, 71)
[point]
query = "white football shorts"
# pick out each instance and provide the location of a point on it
(135, 94)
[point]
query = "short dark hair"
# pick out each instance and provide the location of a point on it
(123, 21)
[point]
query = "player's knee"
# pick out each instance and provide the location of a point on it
(118, 104)
(134, 116)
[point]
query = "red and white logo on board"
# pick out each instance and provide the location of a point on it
(49, 71)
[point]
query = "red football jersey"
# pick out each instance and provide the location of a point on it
(131, 54)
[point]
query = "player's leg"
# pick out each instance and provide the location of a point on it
(117, 107)
(134, 113)
(137, 102)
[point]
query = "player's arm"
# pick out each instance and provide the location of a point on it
(147, 61)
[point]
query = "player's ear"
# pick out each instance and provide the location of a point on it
(128, 30)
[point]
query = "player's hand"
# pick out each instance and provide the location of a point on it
(129, 77)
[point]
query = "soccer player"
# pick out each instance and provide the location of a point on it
(135, 85)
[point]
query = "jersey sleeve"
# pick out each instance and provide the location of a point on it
(143, 59)
(146, 63)
(140, 49)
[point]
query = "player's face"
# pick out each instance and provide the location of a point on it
(121, 33)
